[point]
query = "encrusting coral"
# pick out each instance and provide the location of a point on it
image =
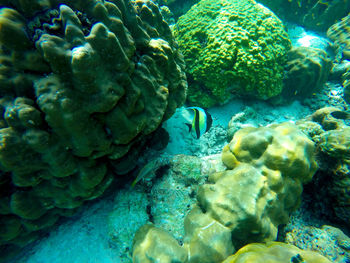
(160, 245)
(274, 252)
(333, 148)
(245, 204)
(82, 84)
(232, 48)
(307, 70)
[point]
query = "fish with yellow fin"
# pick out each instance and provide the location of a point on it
(201, 122)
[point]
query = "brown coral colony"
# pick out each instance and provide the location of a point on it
(82, 84)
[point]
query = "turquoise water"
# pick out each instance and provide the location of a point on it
(93, 95)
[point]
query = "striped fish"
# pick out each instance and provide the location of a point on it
(201, 122)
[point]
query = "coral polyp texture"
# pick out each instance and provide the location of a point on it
(247, 202)
(274, 252)
(232, 48)
(82, 84)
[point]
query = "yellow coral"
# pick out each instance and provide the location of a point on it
(246, 204)
(278, 147)
(274, 252)
(153, 244)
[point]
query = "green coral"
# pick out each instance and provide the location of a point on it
(232, 47)
(83, 85)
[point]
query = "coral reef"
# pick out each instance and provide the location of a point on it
(184, 142)
(232, 48)
(339, 33)
(177, 7)
(83, 84)
(164, 200)
(338, 69)
(328, 241)
(332, 136)
(274, 252)
(274, 147)
(317, 15)
(156, 245)
(307, 70)
(246, 204)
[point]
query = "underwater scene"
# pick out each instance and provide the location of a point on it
(174, 131)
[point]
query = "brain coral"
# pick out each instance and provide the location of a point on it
(82, 84)
(232, 47)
